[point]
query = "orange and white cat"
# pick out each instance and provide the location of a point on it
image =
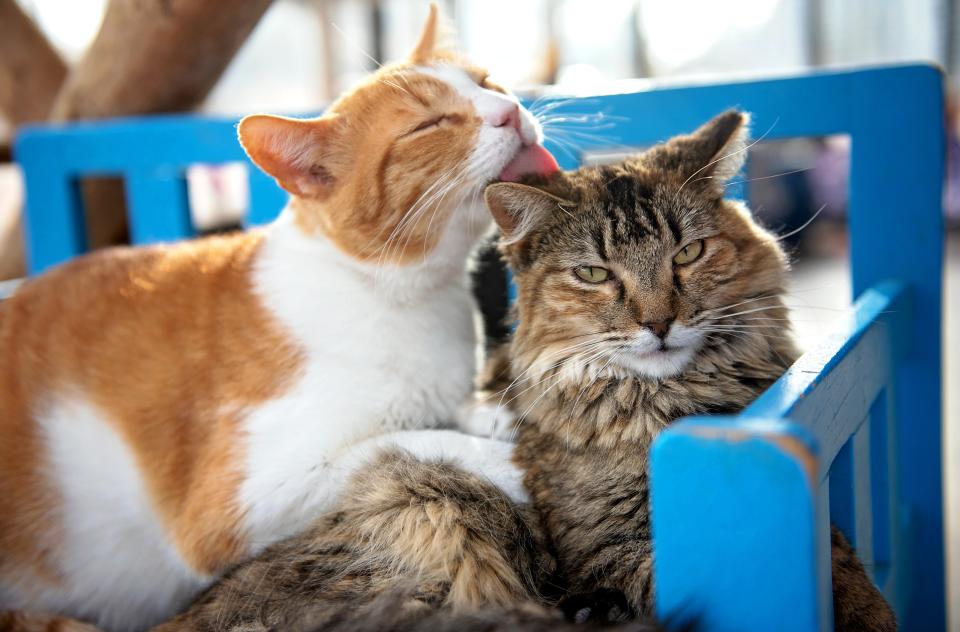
(166, 412)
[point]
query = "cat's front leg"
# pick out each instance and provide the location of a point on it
(487, 418)
(490, 412)
(602, 606)
(626, 568)
(637, 584)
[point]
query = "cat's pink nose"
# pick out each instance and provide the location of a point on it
(659, 328)
(508, 117)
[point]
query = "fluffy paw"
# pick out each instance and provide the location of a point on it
(605, 605)
(487, 419)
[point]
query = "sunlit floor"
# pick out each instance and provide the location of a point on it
(820, 288)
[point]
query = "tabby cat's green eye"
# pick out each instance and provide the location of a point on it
(689, 253)
(593, 274)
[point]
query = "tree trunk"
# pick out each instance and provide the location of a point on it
(31, 71)
(156, 56)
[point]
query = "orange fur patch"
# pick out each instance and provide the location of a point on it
(29, 622)
(188, 348)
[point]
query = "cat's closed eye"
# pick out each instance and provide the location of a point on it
(689, 253)
(429, 123)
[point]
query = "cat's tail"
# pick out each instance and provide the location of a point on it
(18, 621)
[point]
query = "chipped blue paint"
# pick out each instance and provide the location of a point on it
(734, 517)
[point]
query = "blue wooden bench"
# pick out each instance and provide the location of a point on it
(741, 505)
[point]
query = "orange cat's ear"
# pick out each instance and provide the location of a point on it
(300, 154)
(429, 38)
(518, 208)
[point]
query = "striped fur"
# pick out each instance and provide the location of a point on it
(601, 368)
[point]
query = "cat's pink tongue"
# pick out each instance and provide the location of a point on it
(531, 160)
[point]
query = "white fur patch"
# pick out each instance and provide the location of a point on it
(643, 357)
(118, 568)
(494, 420)
(388, 347)
(489, 459)
(377, 361)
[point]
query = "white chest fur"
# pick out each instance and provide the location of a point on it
(384, 352)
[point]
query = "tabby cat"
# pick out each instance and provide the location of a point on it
(642, 296)
(633, 281)
(167, 412)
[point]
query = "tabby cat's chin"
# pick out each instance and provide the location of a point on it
(657, 364)
(649, 356)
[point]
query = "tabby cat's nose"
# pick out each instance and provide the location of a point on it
(659, 328)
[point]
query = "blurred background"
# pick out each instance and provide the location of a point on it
(57, 58)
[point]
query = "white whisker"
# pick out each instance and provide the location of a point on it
(721, 158)
(804, 225)
(353, 44)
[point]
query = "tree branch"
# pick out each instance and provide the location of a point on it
(31, 71)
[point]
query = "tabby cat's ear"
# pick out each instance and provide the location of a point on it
(427, 44)
(517, 208)
(299, 153)
(717, 150)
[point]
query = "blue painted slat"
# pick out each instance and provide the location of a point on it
(904, 217)
(54, 227)
(883, 495)
(824, 556)
(734, 509)
(862, 495)
(158, 206)
(831, 388)
(903, 583)
(54, 156)
(841, 485)
(266, 198)
(851, 496)
(118, 145)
